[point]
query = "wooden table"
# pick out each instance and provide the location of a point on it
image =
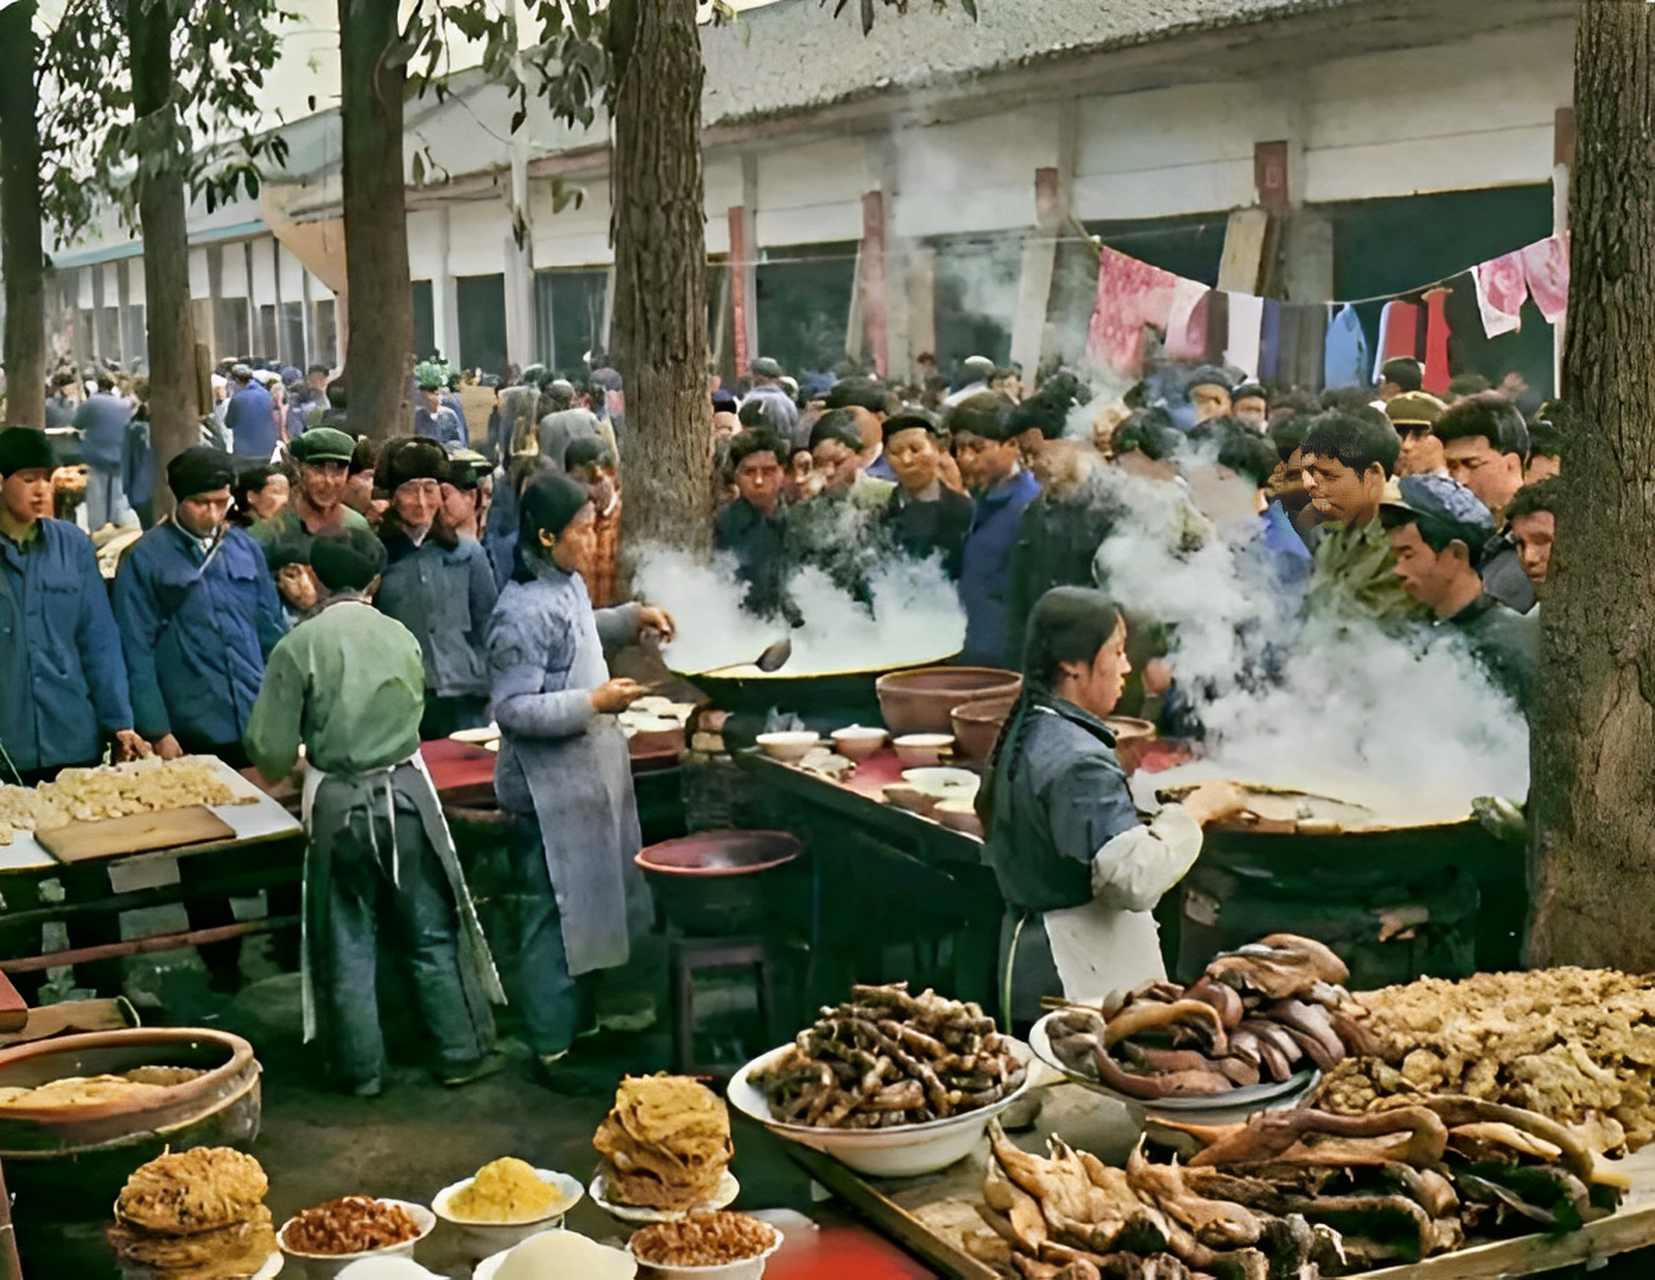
(931, 1216)
(894, 895)
(267, 851)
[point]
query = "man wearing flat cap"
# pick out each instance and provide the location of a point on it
(318, 508)
(1437, 529)
(774, 407)
(198, 613)
(65, 688)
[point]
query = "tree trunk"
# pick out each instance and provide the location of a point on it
(20, 246)
(174, 414)
(1593, 752)
(379, 311)
(658, 229)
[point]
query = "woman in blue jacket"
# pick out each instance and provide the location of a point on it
(439, 586)
(564, 772)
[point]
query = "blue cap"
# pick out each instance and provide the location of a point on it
(1434, 497)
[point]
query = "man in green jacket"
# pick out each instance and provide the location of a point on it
(348, 685)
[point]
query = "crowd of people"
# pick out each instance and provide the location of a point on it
(314, 590)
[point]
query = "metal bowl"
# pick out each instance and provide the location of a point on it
(1225, 1108)
(711, 884)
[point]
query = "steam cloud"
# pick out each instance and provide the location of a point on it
(1352, 713)
(916, 618)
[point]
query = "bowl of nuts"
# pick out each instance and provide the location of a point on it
(705, 1246)
(323, 1241)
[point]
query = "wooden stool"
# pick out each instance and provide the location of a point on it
(687, 957)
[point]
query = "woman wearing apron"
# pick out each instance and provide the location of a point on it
(1079, 870)
(564, 772)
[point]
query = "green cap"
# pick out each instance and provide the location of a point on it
(323, 444)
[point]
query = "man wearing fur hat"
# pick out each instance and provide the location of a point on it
(438, 585)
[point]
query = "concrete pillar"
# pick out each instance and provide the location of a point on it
(445, 295)
(870, 284)
(1034, 290)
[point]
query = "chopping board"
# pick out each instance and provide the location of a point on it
(140, 833)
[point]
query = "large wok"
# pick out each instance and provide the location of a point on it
(824, 699)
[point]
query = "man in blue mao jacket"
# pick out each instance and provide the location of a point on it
(60, 653)
(985, 446)
(198, 612)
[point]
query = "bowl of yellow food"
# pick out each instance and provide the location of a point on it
(503, 1204)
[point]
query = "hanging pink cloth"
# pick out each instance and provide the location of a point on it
(1501, 292)
(1131, 294)
(1546, 269)
(1437, 332)
(1187, 321)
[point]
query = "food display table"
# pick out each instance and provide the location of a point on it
(931, 1216)
(887, 882)
(266, 850)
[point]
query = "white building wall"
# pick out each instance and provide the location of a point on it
(972, 175)
(808, 194)
(574, 237)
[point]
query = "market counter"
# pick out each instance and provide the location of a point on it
(895, 895)
(87, 898)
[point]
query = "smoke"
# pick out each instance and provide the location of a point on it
(1407, 724)
(915, 619)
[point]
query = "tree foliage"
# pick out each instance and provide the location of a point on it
(96, 152)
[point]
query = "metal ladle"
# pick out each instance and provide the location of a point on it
(773, 659)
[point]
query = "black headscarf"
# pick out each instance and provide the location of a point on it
(549, 503)
(1067, 624)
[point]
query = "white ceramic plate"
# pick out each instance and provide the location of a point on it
(723, 1197)
(903, 1152)
(477, 737)
(1223, 1108)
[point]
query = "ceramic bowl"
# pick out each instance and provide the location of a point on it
(912, 799)
(791, 745)
(919, 700)
(902, 1152)
(959, 815)
(858, 742)
(922, 750)
(326, 1266)
(741, 1269)
(478, 1240)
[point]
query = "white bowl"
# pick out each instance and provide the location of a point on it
(959, 815)
(790, 745)
(325, 1266)
(950, 784)
(477, 1240)
(742, 1269)
(858, 742)
(904, 1152)
(724, 1195)
(921, 750)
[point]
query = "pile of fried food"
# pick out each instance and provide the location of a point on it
(351, 1224)
(1259, 1014)
(114, 791)
(665, 1144)
(1574, 1044)
(887, 1058)
(703, 1240)
(141, 1084)
(507, 1190)
(1299, 1193)
(195, 1215)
